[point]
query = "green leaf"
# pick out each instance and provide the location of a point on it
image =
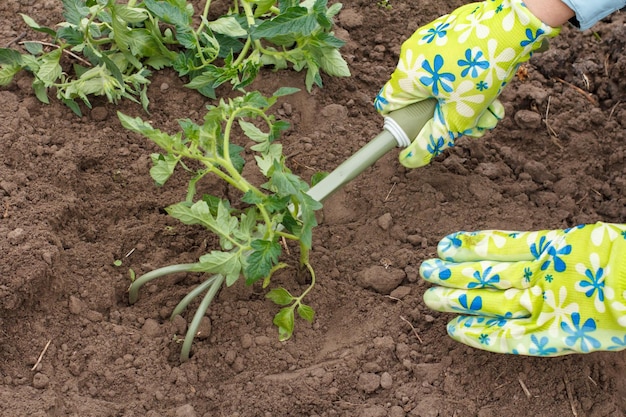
(130, 14)
(214, 203)
(98, 58)
(317, 177)
(320, 14)
(71, 36)
(280, 296)
(169, 13)
(306, 312)
(72, 105)
(50, 70)
(247, 224)
(234, 153)
(7, 72)
(260, 262)
(199, 213)
(228, 45)
(30, 63)
(285, 91)
(276, 128)
(35, 26)
(308, 206)
(251, 198)
(41, 92)
(312, 76)
(212, 76)
(34, 48)
(271, 155)
(284, 320)
(10, 56)
(333, 63)
(291, 224)
(282, 182)
(327, 40)
(262, 6)
(162, 167)
(228, 25)
(277, 61)
(225, 263)
(162, 139)
(333, 10)
(295, 20)
(274, 204)
(253, 132)
(74, 11)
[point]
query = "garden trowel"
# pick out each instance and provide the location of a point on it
(399, 129)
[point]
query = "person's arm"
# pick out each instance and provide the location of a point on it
(587, 12)
(551, 12)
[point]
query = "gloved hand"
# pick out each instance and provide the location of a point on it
(463, 59)
(545, 293)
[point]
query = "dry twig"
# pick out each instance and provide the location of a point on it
(553, 135)
(389, 193)
(591, 379)
(284, 242)
(524, 388)
(587, 95)
(70, 53)
(17, 39)
(613, 109)
(570, 397)
(414, 330)
(43, 352)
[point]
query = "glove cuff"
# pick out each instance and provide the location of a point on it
(522, 26)
(617, 262)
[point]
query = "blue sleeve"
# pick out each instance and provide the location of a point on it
(589, 12)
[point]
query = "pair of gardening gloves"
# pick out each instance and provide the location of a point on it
(544, 293)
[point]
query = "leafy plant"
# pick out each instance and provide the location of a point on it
(114, 47)
(250, 237)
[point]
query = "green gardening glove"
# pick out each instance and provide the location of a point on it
(462, 59)
(545, 293)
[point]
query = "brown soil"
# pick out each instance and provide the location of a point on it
(75, 195)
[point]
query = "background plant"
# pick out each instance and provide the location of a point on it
(112, 48)
(249, 238)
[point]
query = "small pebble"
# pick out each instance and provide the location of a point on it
(204, 328)
(368, 382)
(186, 410)
(16, 236)
(246, 341)
(40, 381)
(75, 305)
(151, 328)
(385, 221)
(99, 114)
(386, 381)
(527, 119)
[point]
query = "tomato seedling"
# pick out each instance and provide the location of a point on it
(113, 47)
(249, 238)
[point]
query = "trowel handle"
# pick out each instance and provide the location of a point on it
(400, 128)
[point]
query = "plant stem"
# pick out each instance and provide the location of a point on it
(197, 317)
(133, 290)
(312, 272)
(205, 14)
(189, 297)
(250, 19)
(243, 53)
